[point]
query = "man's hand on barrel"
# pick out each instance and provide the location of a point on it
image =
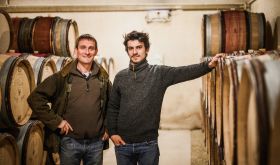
(214, 61)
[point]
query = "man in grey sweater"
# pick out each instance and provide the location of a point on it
(134, 108)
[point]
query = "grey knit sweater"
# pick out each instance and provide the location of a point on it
(135, 102)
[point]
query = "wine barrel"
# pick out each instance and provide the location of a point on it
(203, 98)
(274, 145)
(219, 101)
(25, 35)
(257, 98)
(212, 98)
(229, 31)
(257, 24)
(41, 36)
(9, 152)
(272, 88)
(30, 143)
(65, 32)
(235, 30)
(16, 22)
(17, 82)
(277, 33)
(0, 98)
(231, 78)
(212, 34)
(6, 34)
(60, 61)
(210, 132)
(42, 67)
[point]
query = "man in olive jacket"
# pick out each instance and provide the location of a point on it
(78, 95)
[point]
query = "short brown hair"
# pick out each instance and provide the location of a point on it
(87, 37)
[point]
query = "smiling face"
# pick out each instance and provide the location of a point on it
(86, 51)
(136, 51)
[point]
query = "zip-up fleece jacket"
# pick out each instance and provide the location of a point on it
(136, 98)
(55, 90)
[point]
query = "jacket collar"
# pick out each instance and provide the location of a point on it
(72, 68)
(141, 65)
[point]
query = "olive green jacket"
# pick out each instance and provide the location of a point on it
(54, 90)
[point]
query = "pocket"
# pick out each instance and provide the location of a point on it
(152, 143)
(96, 146)
(122, 149)
(67, 143)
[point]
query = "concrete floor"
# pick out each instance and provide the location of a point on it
(175, 148)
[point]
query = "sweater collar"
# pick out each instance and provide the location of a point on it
(138, 66)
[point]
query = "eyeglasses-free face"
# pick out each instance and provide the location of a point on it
(136, 51)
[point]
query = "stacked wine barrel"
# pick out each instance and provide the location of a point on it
(21, 135)
(240, 103)
(240, 97)
(40, 36)
(21, 139)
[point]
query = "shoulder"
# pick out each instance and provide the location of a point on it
(158, 68)
(122, 73)
(102, 72)
(66, 69)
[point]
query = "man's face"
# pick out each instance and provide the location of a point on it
(86, 51)
(136, 51)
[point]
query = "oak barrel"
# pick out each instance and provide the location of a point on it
(65, 32)
(231, 79)
(60, 61)
(257, 98)
(6, 34)
(17, 82)
(277, 33)
(42, 67)
(9, 152)
(25, 35)
(42, 35)
(212, 34)
(30, 142)
(229, 31)
(16, 23)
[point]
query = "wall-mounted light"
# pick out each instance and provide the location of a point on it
(158, 16)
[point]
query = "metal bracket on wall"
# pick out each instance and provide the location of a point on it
(248, 4)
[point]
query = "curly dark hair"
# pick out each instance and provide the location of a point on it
(140, 36)
(87, 37)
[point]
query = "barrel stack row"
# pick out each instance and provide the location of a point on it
(39, 35)
(240, 103)
(30, 51)
(21, 135)
(240, 97)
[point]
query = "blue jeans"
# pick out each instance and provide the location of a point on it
(72, 151)
(145, 153)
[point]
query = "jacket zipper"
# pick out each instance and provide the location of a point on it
(133, 69)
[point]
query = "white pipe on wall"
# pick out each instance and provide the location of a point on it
(112, 8)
